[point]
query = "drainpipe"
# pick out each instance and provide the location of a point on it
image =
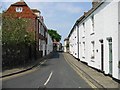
(78, 39)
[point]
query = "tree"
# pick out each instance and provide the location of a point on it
(54, 35)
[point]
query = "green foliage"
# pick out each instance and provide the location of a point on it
(18, 41)
(54, 35)
(14, 31)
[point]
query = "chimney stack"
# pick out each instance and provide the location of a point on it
(21, 0)
(95, 2)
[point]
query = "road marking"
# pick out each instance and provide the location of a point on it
(43, 62)
(48, 79)
(79, 73)
(21, 74)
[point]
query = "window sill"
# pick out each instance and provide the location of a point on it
(92, 61)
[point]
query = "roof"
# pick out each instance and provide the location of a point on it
(66, 39)
(26, 13)
(20, 3)
(95, 5)
(35, 10)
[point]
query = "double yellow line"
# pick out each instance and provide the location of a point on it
(77, 70)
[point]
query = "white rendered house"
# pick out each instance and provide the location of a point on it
(49, 44)
(99, 38)
(66, 45)
(73, 42)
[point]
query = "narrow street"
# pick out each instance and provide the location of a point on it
(53, 73)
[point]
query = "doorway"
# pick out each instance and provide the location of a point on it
(102, 55)
(110, 55)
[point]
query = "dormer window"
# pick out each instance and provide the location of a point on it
(19, 9)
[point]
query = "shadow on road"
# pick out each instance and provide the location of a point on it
(55, 55)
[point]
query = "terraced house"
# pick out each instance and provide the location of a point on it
(21, 10)
(94, 38)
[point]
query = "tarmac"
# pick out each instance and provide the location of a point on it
(10, 72)
(96, 78)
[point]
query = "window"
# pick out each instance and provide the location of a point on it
(83, 30)
(39, 27)
(92, 50)
(19, 9)
(39, 45)
(83, 50)
(92, 20)
(42, 30)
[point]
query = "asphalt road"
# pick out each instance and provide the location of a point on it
(53, 73)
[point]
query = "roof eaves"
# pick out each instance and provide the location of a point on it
(90, 12)
(82, 18)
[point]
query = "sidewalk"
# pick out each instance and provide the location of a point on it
(96, 78)
(14, 71)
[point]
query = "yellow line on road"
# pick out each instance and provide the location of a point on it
(79, 72)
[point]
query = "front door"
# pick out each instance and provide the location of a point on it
(102, 57)
(110, 56)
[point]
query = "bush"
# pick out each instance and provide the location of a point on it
(17, 42)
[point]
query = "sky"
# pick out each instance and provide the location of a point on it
(59, 15)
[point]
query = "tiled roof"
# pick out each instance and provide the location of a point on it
(19, 4)
(35, 10)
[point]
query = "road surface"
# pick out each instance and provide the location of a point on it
(52, 73)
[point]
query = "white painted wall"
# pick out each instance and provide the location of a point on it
(65, 44)
(105, 26)
(49, 44)
(73, 43)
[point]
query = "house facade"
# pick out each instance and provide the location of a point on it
(66, 45)
(73, 42)
(49, 44)
(98, 38)
(21, 10)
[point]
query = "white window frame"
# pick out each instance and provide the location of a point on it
(83, 50)
(39, 44)
(92, 24)
(92, 50)
(83, 24)
(19, 9)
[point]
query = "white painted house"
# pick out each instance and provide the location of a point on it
(73, 42)
(49, 44)
(98, 38)
(66, 45)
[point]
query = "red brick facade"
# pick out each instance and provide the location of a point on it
(35, 21)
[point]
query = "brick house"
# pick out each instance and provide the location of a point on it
(21, 10)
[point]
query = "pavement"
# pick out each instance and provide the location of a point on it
(63, 74)
(14, 71)
(96, 78)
